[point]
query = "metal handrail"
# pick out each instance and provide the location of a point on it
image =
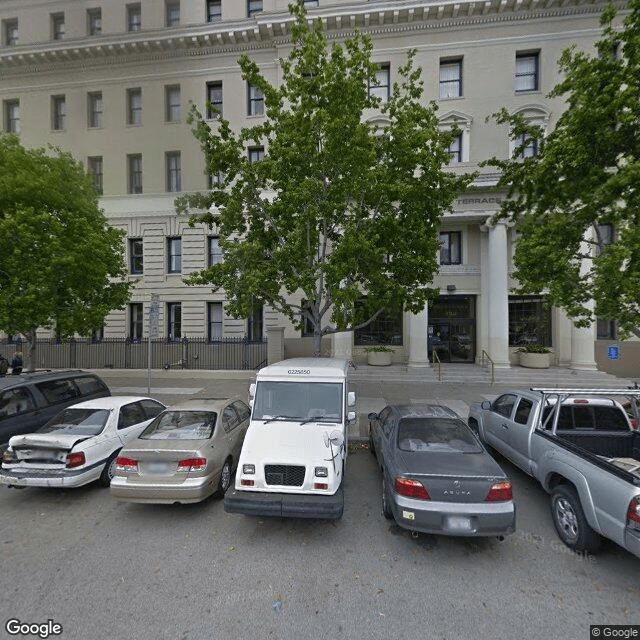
(488, 357)
(436, 358)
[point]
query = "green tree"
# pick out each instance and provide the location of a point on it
(583, 183)
(61, 265)
(341, 209)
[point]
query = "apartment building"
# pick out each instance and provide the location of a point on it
(113, 82)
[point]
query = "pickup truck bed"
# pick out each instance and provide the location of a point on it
(606, 444)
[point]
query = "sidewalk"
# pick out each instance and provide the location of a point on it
(461, 385)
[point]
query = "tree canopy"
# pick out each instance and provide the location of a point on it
(338, 220)
(576, 203)
(61, 265)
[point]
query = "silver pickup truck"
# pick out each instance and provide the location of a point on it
(581, 445)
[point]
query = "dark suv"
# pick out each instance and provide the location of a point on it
(29, 400)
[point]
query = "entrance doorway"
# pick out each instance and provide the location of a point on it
(452, 329)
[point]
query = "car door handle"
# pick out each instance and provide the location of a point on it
(505, 426)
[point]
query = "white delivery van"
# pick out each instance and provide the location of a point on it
(293, 456)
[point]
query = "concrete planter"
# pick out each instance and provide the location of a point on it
(535, 360)
(379, 358)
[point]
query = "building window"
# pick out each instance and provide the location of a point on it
(214, 10)
(174, 255)
(58, 113)
(214, 321)
(604, 237)
(529, 146)
(307, 328)
(134, 106)
(455, 150)
(451, 247)
(256, 101)
(255, 325)
(451, 78)
(134, 166)
(606, 329)
(255, 154)
(384, 330)
(527, 72)
(309, 4)
(136, 261)
(135, 321)
(174, 173)
(94, 167)
(94, 21)
(57, 26)
(172, 14)
(214, 100)
(174, 320)
(97, 335)
(172, 103)
(253, 7)
(529, 321)
(214, 251)
(380, 86)
(134, 17)
(10, 32)
(12, 116)
(94, 108)
(214, 179)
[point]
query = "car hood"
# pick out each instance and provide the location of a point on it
(439, 463)
(47, 440)
(288, 442)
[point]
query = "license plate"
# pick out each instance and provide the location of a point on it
(157, 467)
(459, 523)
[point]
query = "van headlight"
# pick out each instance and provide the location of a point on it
(248, 469)
(321, 472)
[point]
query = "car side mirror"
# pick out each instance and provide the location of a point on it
(373, 416)
(486, 404)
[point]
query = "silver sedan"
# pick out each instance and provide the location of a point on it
(436, 475)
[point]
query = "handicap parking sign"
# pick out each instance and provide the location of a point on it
(613, 353)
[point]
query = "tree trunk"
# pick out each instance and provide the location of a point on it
(317, 344)
(30, 356)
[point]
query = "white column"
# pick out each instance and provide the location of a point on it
(498, 290)
(343, 345)
(417, 324)
(583, 340)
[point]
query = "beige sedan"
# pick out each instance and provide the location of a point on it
(186, 454)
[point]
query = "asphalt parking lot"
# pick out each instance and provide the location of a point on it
(104, 569)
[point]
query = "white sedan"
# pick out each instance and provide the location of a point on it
(79, 445)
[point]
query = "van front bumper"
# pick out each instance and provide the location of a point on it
(285, 505)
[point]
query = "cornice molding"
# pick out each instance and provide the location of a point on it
(272, 30)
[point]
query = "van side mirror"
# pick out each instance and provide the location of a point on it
(252, 389)
(351, 399)
(351, 416)
(486, 405)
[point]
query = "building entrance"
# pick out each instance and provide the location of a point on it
(452, 329)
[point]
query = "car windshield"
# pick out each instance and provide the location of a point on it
(77, 422)
(436, 434)
(181, 425)
(300, 401)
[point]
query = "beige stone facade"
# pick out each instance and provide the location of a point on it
(112, 82)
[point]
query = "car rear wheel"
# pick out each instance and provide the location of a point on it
(570, 522)
(225, 479)
(386, 509)
(109, 470)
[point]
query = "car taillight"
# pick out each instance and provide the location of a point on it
(75, 460)
(411, 488)
(499, 492)
(126, 464)
(634, 423)
(633, 513)
(192, 464)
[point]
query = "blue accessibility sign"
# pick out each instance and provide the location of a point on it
(613, 353)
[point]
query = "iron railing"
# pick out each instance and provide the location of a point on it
(123, 353)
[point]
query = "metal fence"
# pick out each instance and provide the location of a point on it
(122, 353)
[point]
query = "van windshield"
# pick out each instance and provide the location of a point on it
(299, 401)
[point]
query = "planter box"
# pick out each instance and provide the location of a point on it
(535, 360)
(379, 358)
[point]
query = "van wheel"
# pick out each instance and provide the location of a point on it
(386, 509)
(570, 522)
(109, 470)
(225, 479)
